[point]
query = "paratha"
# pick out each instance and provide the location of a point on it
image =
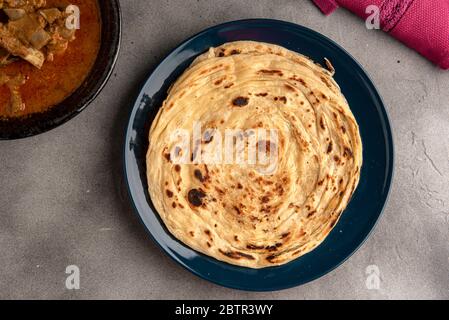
(242, 213)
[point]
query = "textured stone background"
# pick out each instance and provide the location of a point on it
(63, 202)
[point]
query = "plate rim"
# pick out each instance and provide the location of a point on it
(389, 135)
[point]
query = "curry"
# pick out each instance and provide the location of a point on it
(42, 67)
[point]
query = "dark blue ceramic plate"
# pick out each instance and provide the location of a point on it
(357, 220)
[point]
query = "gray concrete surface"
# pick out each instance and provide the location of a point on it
(63, 201)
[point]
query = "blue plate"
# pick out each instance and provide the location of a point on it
(367, 203)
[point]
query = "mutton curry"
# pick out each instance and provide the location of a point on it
(43, 58)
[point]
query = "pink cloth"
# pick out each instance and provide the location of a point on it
(423, 25)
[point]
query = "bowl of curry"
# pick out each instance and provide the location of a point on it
(55, 58)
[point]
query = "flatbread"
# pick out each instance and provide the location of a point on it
(250, 214)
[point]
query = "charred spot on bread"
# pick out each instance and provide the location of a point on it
(240, 101)
(196, 196)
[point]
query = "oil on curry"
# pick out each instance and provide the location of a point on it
(43, 58)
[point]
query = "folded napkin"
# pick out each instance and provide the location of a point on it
(423, 25)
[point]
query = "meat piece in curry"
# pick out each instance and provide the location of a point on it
(13, 84)
(34, 52)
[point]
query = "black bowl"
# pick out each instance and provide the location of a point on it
(37, 123)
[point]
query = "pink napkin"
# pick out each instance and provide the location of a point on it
(423, 25)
